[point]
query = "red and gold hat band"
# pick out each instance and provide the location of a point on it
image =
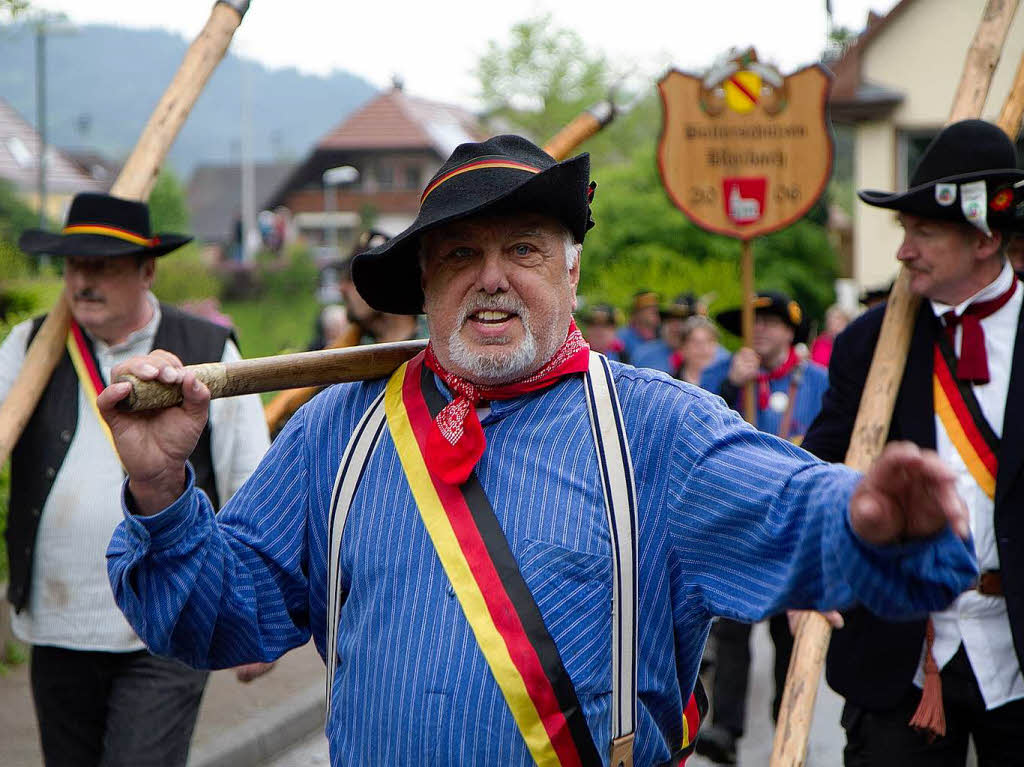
(111, 231)
(478, 165)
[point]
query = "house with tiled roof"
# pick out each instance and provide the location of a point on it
(19, 165)
(393, 144)
(895, 85)
(215, 197)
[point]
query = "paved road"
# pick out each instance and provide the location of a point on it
(826, 744)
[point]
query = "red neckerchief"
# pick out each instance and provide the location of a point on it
(456, 442)
(763, 391)
(972, 364)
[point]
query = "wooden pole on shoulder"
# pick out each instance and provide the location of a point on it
(134, 182)
(875, 414)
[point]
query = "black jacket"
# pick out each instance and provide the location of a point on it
(42, 447)
(872, 662)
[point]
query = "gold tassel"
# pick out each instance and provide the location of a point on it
(930, 717)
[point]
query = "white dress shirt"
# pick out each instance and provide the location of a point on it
(70, 602)
(977, 621)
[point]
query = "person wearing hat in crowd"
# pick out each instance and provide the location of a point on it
(600, 322)
(644, 321)
(916, 691)
(93, 681)
(663, 353)
(875, 296)
(480, 594)
(371, 325)
(788, 391)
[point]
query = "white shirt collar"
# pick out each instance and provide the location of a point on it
(997, 287)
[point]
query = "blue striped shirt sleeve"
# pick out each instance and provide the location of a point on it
(216, 595)
(759, 525)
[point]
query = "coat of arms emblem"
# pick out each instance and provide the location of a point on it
(744, 150)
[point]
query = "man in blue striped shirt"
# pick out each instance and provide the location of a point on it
(731, 521)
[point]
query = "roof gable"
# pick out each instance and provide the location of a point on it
(394, 120)
(19, 158)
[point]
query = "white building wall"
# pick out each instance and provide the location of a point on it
(919, 53)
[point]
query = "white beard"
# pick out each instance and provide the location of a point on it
(504, 365)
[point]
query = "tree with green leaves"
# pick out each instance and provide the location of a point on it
(13, 7)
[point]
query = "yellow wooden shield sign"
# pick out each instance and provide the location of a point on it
(745, 151)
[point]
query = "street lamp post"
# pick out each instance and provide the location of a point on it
(333, 178)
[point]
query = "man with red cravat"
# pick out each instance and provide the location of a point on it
(916, 691)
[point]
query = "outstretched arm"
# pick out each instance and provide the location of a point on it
(761, 526)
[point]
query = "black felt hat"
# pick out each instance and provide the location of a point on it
(505, 174)
(601, 314)
(964, 152)
(684, 305)
(98, 226)
(777, 304)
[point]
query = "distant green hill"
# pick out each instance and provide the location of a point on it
(104, 81)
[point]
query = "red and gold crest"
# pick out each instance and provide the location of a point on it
(745, 151)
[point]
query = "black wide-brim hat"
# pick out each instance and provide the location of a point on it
(966, 151)
(505, 174)
(777, 304)
(99, 225)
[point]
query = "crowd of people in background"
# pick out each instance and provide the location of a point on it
(681, 338)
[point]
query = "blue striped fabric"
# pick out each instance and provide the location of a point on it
(731, 522)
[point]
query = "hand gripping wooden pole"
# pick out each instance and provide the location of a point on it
(134, 182)
(320, 368)
(875, 414)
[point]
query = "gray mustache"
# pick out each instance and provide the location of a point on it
(88, 295)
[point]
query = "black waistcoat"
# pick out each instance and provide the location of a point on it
(42, 447)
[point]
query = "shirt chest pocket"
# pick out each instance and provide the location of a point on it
(573, 591)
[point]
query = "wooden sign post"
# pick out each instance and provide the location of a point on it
(745, 151)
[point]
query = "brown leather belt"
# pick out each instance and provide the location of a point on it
(990, 583)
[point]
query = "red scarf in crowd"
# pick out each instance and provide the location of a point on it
(456, 442)
(763, 390)
(972, 364)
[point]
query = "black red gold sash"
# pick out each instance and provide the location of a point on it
(693, 715)
(496, 601)
(89, 377)
(961, 416)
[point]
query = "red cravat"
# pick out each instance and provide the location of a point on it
(456, 442)
(973, 361)
(763, 390)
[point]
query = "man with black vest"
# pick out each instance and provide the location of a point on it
(100, 697)
(915, 691)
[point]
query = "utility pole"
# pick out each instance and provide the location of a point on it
(41, 117)
(248, 180)
(46, 25)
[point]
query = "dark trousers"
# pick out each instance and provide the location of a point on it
(103, 709)
(883, 738)
(732, 670)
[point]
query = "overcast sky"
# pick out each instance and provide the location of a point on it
(435, 45)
